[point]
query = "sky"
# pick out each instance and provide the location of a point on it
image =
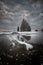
(12, 13)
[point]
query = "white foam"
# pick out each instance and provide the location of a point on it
(13, 37)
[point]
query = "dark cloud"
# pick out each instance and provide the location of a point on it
(12, 12)
(34, 1)
(15, 2)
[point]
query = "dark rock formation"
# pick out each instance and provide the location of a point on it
(25, 26)
(18, 28)
(36, 30)
(42, 30)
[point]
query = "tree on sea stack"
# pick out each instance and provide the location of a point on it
(25, 26)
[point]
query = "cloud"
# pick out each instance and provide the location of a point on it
(13, 11)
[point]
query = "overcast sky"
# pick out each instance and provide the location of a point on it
(13, 11)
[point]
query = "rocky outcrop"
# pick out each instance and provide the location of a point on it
(25, 26)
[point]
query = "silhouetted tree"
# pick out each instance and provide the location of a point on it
(25, 26)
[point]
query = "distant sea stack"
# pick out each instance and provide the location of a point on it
(25, 26)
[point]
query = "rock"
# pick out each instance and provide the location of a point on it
(25, 26)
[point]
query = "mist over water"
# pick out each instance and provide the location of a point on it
(34, 38)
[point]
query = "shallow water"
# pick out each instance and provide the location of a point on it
(14, 51)
(7, 40)
(35, 37)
